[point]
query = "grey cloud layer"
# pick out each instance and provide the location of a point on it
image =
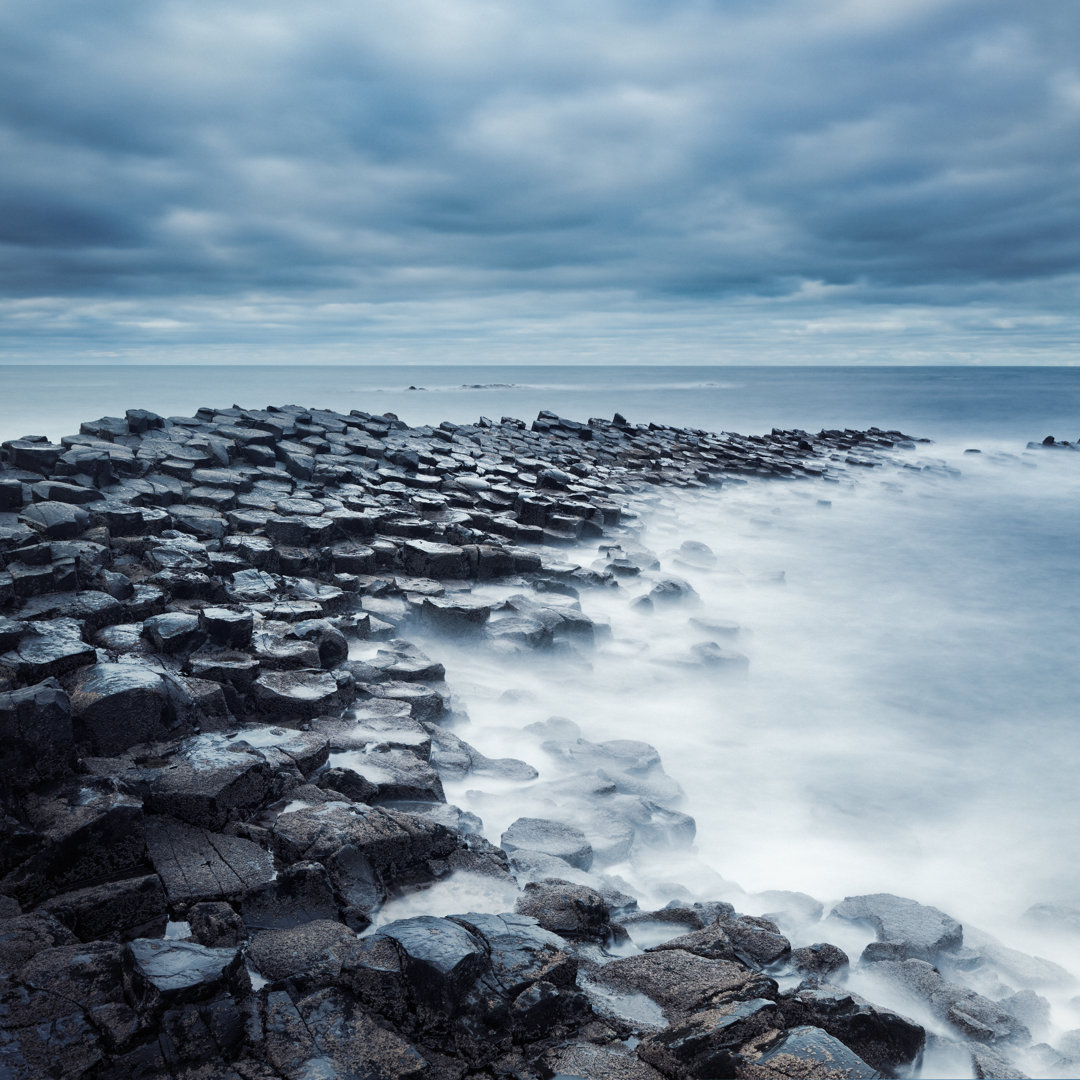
(205, 172)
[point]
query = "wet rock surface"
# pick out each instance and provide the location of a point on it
(222, 758)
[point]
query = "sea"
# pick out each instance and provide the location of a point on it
(910, 718)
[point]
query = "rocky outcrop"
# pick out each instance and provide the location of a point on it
(222, 756)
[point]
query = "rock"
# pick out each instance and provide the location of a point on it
(169, 973)
(612, 1061)
(176, 633)
(801, 1053)
(988, 1064)
(427, 559)
(424, 702)
(62, 1006)
(455, 615)
(90, 831)
(390, 774)
(327, 638)
(50, 648)
(672, 590)
(711, 655)
(905, 929)
(569, 910)
(307, 956)
(1031, 1009)
(140, 420)
(34, 454)
(440, 960)
(210, 780)
(819, 959)
(327, 1034)
(297, 696)
(227, 628)
(57, 491)
(550, 838)
(1056, 917)
(274, 654)
(976, 1017)
(195, 864)
(36, 737)
(681, 983)
(116, 706)
(24, 936)
(883, 1039)
(751, 940)
(197, 704)
(707, 1042)
(696, 554)
(299, 894)
(117, 910)
(216, 924)
(56, 520)
(363, 848)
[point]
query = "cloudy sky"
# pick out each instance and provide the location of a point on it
(689, 181)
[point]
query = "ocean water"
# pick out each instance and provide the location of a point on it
(953, 403)
(910, 718)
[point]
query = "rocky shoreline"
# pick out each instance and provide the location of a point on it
(207, 801)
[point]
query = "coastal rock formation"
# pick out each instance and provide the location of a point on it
(208, 802)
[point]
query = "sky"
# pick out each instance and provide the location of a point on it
(624, 181)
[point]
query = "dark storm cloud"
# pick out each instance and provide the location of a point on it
(221, 171)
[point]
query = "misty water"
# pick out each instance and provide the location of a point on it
(907, 722)
(908, 718)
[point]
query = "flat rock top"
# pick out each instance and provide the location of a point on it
(177, 965)
(911, 929)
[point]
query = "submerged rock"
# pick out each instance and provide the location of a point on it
(905, 929)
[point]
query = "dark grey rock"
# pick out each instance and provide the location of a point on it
(58, 491)
(819, 959)
(455, 615)
(216, 924)
(424, 702)
(441, 960)
(24, 936)
(976, 1017)
(116, 706)
(551, 838)
(612, 1061)
(169, 973)
(50, 648)
(176, 633)
(332, 647)
(117, 910)
(91, 831)
(299, 894)
(56, 520)
(569, 910)
(307, 955)
(884, 1040)
(804, 1052)
(394, 774)
(427, 559)
(905, 929)
(36, 737)
(297, 696)
(228, 628)
(195, 864)
(327, 1033)
(752, 941)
